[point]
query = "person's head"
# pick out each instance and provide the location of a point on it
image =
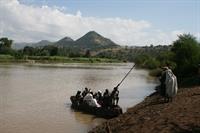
(86, 89)
(115, 88)
(165, 68)
(99, 92)
(95, 95)
(106, 91)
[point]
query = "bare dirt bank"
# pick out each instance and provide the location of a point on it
(152, 115)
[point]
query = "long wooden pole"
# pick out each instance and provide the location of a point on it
(125, 76)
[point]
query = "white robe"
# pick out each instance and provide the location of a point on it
(171, 84)
(88, 97)
(91, 101)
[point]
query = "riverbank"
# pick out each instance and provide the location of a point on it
(153, 115)
(54, 59)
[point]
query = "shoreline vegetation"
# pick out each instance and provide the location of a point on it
(54, 59)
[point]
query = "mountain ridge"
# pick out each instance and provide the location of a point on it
(89, 41)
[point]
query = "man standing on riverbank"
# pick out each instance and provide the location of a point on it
(169, 86)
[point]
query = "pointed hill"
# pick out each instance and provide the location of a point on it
(65, 42)
(94, 41)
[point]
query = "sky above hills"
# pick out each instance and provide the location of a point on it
(126, 22)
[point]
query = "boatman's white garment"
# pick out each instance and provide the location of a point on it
(171, 84)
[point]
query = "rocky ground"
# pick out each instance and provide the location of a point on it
(153, 115)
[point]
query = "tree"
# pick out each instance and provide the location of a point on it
(29, 50)
(187, 55)
(5, 46)
(87, 53)
(5, 42)
(166, 58)
(53, 50)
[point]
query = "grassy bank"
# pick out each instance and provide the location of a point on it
(55, 59)
(10, 59)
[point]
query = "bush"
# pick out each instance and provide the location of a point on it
(186, 55)
(152, 63)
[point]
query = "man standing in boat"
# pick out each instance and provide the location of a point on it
(106, 99)
(115, 96)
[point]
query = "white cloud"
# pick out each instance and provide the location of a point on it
(33, 23)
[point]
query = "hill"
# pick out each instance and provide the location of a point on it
(94, 41)
(65, 42)
(42, 43)
(33, 44)
(20, 45)
(90, 41)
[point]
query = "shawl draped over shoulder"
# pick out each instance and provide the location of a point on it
(171, 84)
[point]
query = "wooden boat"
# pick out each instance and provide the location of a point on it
(103, 112)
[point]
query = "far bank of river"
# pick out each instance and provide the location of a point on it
(54, 59)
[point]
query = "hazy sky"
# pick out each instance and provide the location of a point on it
(126, 22)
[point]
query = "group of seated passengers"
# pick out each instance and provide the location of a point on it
(98, 99)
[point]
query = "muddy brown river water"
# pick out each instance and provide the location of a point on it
(34, 98)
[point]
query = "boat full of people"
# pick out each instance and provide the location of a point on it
(101, 105)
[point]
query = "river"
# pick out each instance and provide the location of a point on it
(34, 98)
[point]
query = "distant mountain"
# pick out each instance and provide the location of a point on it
(65, 42)
(20, 45)
(94, 41)
(37, 44)
(90, 41)
(42, 43)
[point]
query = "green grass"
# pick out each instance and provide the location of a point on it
(71, 60)
(6, 58)
(56, 59)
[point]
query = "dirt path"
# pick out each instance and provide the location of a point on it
(153, 115)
